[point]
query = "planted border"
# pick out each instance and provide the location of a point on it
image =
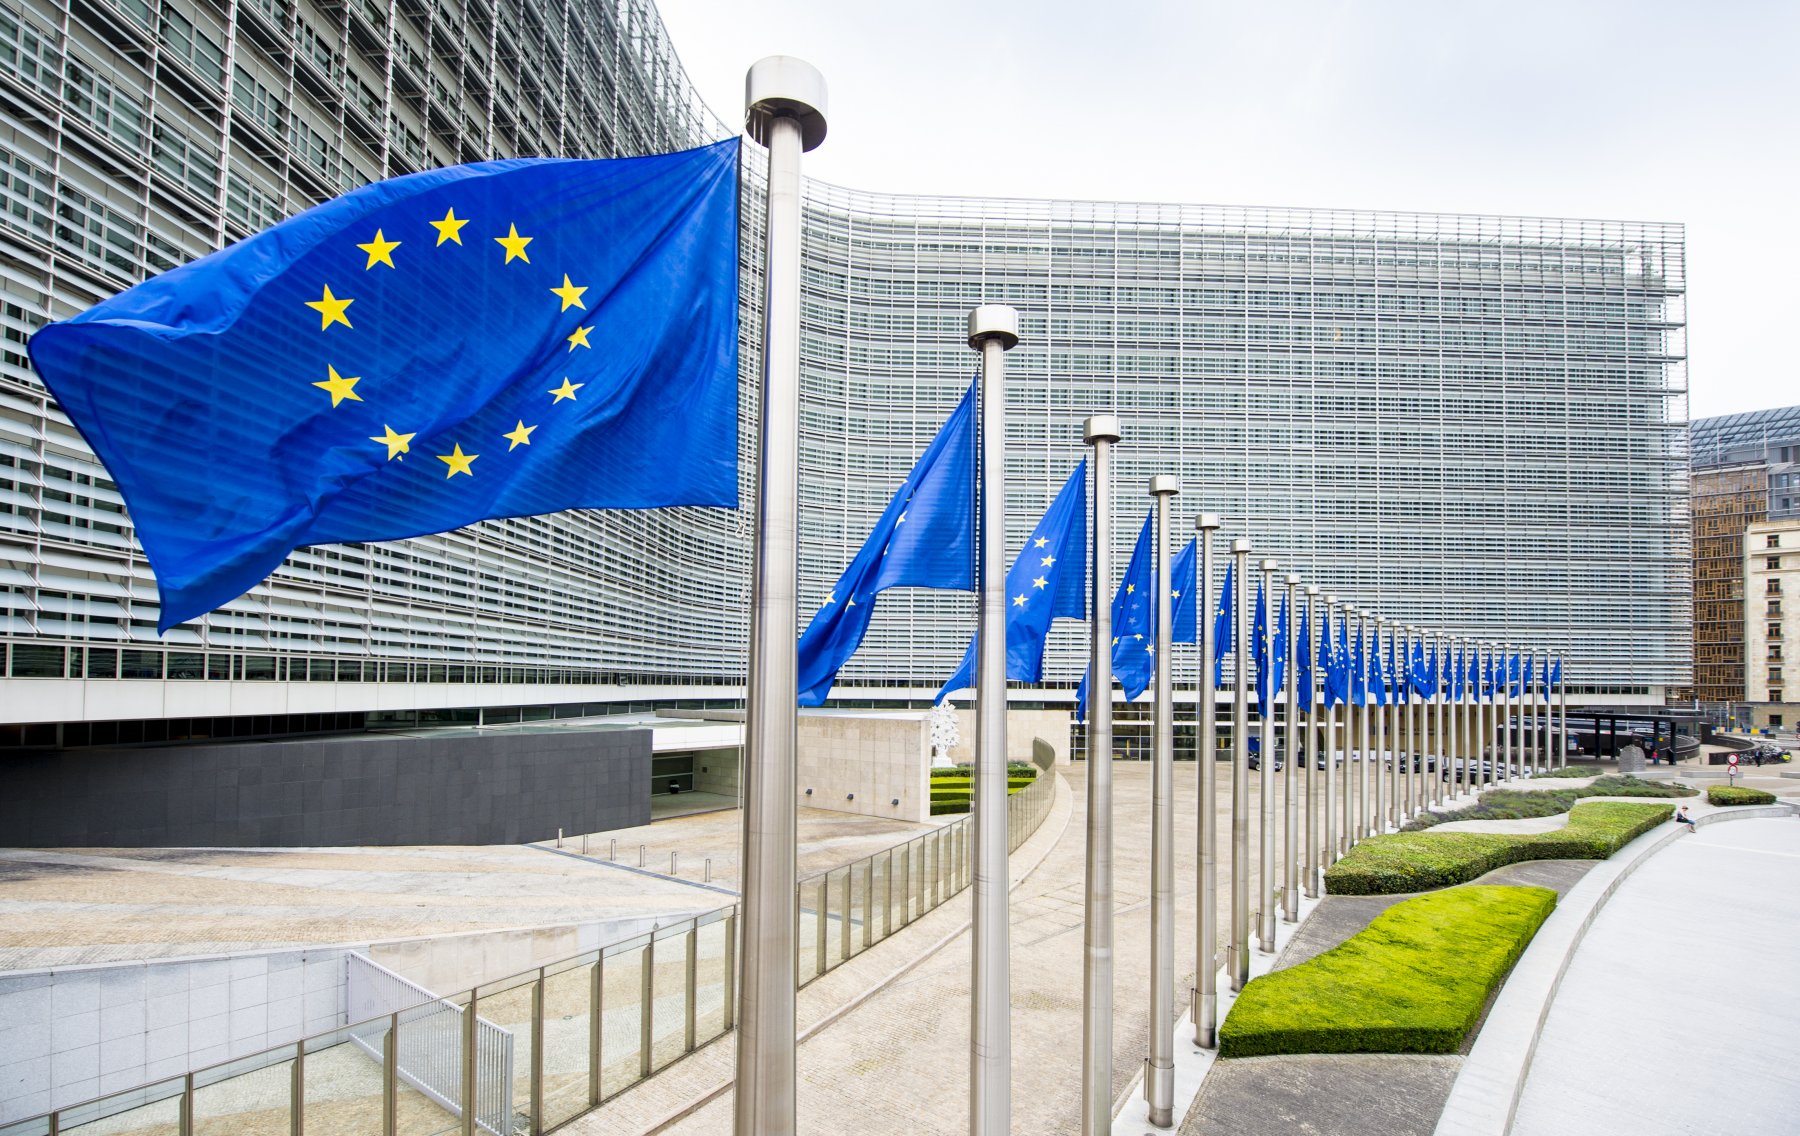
(1737, 795)
(1402, 862)
(1413, 981)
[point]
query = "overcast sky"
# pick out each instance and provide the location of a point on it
(1646, 110)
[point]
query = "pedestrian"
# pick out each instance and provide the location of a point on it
(1682, 817)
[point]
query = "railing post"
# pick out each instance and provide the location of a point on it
(868, 935)
(906, 883)
(844, 924)
(730, 971)
(647, 1007)
(596, 1024)
(693, 985)
(821, 922)
(390, 1079)
(799, 907)
(296, 1094)
(185, 1120)
(537, 1054)
(471, 1105)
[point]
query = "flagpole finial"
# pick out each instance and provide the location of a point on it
(1164, 484)
(1330, 598)
(1269, 565)
(1312, 590)
(1207, 522)
(1100, 428)
(994, 321)
(1293, 579)
(782, 86)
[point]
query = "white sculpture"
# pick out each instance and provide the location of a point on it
(945, 733)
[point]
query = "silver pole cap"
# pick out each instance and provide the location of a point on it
(1162, 483)
(1269, 565)
(1240, 544)
(1100, 428)
(1330, 599)
(782, 86)
(1312, 589)
(994, 321)
(1293, 579)
(1207, 522)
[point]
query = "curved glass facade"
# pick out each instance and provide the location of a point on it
(1471, 422)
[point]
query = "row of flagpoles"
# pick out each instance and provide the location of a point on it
(1378, 741)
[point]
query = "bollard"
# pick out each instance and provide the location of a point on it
(612, 849)
(584, 850)
(672, 870)
(709, 870)
(640, 855)
(559, 838)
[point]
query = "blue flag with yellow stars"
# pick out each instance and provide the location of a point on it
(924, 539)
(1224, 619)
(1133, 624)
(1048, 581)
(1303, 657)
(1184, 597)
(1378, 687)
(1555, 682)
(491, 340)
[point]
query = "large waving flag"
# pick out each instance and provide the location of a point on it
(1459, 675)
(1359, 670)
(1184, 595)
(924, 539)
(1048, 581)
(1133, 624)
(1396, 668)
(1268, 671)
(1224, 619)
(490, 340)
(1556, 674)
(1378, 690)
(1303, 658)
(1337, 668)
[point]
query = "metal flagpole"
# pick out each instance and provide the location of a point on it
(784, 110)
(1415, 771)
(1437, 726)
(1364, 811)
(1543, 687)
(1206, 744)
(1453, 698)
(1562, 731)
(1380, 804)
(1290, 841)
(1237, 952)
(1330, 751)
(1101, 432)
(1267, 887)
(1478, 712)
(1309, 831)
(993, 330)
(1159, 1070)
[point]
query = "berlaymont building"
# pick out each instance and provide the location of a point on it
(1475, 423)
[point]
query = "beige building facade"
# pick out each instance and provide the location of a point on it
(1772, 616)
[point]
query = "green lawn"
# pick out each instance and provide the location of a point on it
(1421, 861)
(1413, 981)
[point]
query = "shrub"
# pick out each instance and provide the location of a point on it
(1421, 861)
(951, 789)
(1572, 771)
(1413, 981)
(1737, 795)
(1516, 804)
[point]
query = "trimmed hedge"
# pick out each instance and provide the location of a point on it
(1413, 981)
(1572, 771)
(1515, 804)
(1737, 795)
(952, 788)
(1402, 862)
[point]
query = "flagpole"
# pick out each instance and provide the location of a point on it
(1265, 833)
(1331, 751)
(1445, 771)
(993, 330)
(1415, 758)
(1478, 712)
(1381, 770)
(1100, 431)
(1562, 706)
(1206, 937)
(1310, 829)
(1364, 810)
(1290, 800)
(1238, 950)
(1159, 1069)
(784, 110)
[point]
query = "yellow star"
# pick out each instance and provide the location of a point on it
(514, 245)
(458, 462)
(397, 444)
(449, 229)
(571, 295)
(521, 434)
(1130, 589)
(579, 338)
(567, 390)
(1040, 582)
(1018, 601)
(339, 387)
(379, 251)
(1040, 542)
(330, 309)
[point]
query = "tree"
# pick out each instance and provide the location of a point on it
(945, 733)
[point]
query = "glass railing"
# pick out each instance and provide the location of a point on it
(527, 1053)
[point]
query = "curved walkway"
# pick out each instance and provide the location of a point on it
(1676, 1013)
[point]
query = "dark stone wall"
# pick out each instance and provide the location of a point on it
(368, 789)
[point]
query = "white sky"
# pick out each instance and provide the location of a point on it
(1644, 110)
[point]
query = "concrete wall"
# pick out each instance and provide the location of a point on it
(718, 770)
(68, 1035)
(487, 788)
(1021, 727)
(878, 756)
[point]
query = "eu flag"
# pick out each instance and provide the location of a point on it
(1303, 659)
(490, 340)
(1359, 669)
(1556, 674)
(1184, 597)
(1378, 692)
(924, 539)
(1048, 581)
(1133, 624)
(1224, 618)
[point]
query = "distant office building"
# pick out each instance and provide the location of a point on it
(1772, 617)
(1476, 423)
(1746, 470)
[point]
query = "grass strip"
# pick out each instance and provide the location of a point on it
(1515, 804)
(1401, 862)
(1413, 981)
